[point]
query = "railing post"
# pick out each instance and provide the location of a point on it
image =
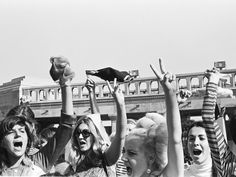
(46, 94)
(188, 79)
(137, 88)
(37, 95)
(148, 83)
(201, 82)
(80, 92)
(100, 91)
(232, 80)
(126, 89)
(56, 93)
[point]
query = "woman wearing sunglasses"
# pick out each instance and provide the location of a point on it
(96, 156)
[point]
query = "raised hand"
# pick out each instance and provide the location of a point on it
(214, 75)
(90, 85)
(183, 95)
(61, 70)
(166, 79)
(175, 166)
(58, 66)
(116, 92)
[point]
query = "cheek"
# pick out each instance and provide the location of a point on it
(188, 145)
(90, 140)
(25, 137)
(140, 161)
(6, 143)
(206, 146)
(139, 166)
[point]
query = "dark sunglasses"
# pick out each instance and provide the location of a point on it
(85, 133)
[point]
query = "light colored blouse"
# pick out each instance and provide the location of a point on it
(26, 168)
(202, 170)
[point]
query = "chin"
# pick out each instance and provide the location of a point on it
(84, 149)
(198, 161)
(19, 154)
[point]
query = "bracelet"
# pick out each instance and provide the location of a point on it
(65, 84)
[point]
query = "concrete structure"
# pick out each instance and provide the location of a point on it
(141, 95)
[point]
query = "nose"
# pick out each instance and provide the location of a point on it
(81, 136)
(124, 157)
(196, 141)
(17, 133)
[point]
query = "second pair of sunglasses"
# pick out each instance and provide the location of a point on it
(85, 133)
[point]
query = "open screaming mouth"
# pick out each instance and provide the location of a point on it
(18, 144)
(129, 171)
(197, 152)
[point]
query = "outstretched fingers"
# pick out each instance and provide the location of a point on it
(162, 68)
(156, 72)
(216, 71)
(109, 86)
(162, 74)
(115, 86)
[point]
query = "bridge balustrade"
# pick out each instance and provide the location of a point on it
(139, 86)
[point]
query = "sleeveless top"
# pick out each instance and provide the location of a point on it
(26, 168)
(88, 170)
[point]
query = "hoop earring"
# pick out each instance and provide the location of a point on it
(148, 171)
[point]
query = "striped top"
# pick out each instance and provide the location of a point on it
(120, 168)
(223, 159)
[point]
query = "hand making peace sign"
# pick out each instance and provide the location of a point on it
(166, 79)
(116, 92)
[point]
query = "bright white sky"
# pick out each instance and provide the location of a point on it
(125, 34)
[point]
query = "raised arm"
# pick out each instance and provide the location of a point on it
(90, 85)
(114, 151)
(48, 155)
(175, 166)
(222, 157)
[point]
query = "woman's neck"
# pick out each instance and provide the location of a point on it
(153, 172)
(14, 161)
(206, 163)
(202, 169)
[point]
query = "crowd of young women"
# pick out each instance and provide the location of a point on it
(151, 148)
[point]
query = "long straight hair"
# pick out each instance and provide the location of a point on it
(92, 157)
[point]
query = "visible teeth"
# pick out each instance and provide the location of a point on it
(197, 152)
(129, 170)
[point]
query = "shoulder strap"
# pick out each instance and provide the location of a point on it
(104, 165)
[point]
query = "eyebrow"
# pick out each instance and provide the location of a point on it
(131, 149)
(20, 128)
(201, 135)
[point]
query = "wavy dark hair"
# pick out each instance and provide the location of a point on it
(6, 126)
(193, 124)
(94, 156)
(200, 124)
(25, 111)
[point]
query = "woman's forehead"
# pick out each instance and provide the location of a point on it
(133, 140)
(197, 131)
(83, 126)
(18, 126)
